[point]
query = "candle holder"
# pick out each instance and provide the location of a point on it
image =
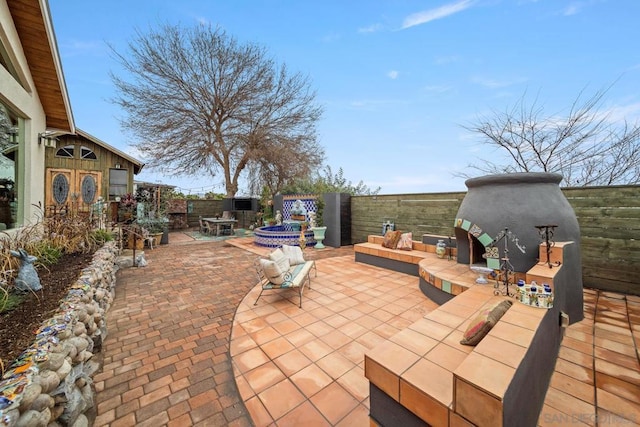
(506, 273)
(546, 235)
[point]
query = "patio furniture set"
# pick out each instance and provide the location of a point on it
(217, 226)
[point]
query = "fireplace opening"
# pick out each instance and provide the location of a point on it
(476, 251)
(470, 250)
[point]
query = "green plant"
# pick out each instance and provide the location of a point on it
(9, 301)
(153, 225)
(319, 210)
(100, 237)
(46, 253)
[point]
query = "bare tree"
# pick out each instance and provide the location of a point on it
(283, 165)
(198, 101)
(587, 147)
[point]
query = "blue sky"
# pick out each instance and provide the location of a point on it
(397, 79)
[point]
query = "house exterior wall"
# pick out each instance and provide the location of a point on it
(22, 100)
(106, 160)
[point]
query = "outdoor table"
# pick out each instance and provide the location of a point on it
(219, 222)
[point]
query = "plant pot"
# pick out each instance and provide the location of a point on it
(139, 242)
(318, 235)
(157, 237)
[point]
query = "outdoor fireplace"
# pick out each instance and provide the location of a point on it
(502, 212)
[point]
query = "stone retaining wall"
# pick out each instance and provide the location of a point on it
(50, 383)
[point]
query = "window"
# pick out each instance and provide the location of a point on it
(9, 154)
(118, 180)
(87, 153)
(66, 151)
(5, 61)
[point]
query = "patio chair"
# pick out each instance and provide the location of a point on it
(205, 228)
(147, 238)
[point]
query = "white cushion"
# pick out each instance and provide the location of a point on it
(279, 257)
(276, 255)
(294, 254)
(272, 271)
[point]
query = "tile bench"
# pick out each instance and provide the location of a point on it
(372, 252)
(424, 376)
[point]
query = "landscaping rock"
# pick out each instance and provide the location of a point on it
(59, 391)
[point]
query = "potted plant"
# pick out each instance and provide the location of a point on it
(155, 227)
(319, 229)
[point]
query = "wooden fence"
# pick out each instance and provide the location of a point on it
(609, 219)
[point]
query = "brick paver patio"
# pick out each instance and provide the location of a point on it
(167, 351)
(167, 354)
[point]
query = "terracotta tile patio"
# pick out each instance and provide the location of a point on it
(175, 354)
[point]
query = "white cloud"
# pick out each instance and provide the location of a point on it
(496, 84)
(572, 9)
(375, 104)
(399, 184)
(331, 37)
(393, 74)
(438, 88)
(443, 60)
(426, 16)
(370, 29)
(78, 47)
(620, 113)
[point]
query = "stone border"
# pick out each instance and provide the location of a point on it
(51, 381)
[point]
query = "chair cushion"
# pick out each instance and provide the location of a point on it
(484, 321)
(281, 259)
(272, 271)
(294, 254)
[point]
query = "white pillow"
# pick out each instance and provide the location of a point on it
(294, 254)
(272, 271)
(276, 254)
(279, 257)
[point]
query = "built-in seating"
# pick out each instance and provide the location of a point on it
(372, 252)
(424, 375)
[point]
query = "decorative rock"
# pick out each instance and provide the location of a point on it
(63, 335)
(82, 315)
(54, 362)
(100, 294)
(64, 370)
(32, 418)
(81, 421)
(48, 380)
(11, 417)
(29, 395)
(79, 329)
(80, 343)
(56, 412)
(70, 349)
(86, 355)
(60, 391)
(44, 401)
(91, 309)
